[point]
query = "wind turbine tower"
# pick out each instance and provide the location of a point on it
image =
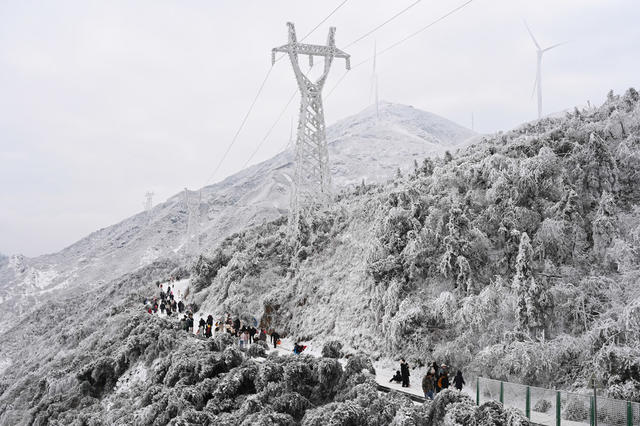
(538, 83)
(312, 181)
(374, 82)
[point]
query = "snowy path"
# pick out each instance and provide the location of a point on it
(385, 368)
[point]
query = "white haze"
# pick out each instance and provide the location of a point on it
(102, 101)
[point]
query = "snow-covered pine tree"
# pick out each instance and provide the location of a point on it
(454, 264)
(604, 227)
(523, 279)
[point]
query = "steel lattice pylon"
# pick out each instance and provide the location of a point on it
(192, 239)
(312, 180)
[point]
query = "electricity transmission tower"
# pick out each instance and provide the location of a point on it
(312, 181)
(148, 202)
(192, 241)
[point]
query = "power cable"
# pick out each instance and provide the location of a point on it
(365, 35)
(244, 120)
(397, 43)
(271, 128)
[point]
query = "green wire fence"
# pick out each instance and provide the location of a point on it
(551, 407)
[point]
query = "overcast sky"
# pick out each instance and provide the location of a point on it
(101, 101)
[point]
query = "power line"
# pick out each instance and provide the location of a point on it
(426, 27)
(264, 81)
(324, 20)
(397, 43)
(244, 120)
(293, 95)
(365, 35)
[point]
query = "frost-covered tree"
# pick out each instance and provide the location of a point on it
(523, 279)
(533, 299)
(453, 263)
(604, 226)
(600, 172)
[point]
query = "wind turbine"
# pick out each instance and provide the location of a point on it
(538, 83)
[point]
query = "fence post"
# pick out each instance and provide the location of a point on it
(591, 416)
(595, 405)
(502, 392)
(558, 409)
(477, 390)
(527, 409)
(629, 414)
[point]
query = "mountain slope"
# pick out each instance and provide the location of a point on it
(517, 259)
(361, 147)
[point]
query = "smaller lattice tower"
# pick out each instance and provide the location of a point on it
(192, 237)
(148, 201)
(312, 181)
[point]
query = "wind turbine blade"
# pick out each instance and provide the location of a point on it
(531, 34)
(535, 85)
(554, 46)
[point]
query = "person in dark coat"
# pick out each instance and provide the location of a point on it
(275, 337)
(236, 326)
(443, 379)
(458, 381)
(404, 370)
(428, 385)
(252, 333)
(397, 377)
(162, 307)
(180, 306)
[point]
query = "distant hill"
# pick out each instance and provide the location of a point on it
(361, 147)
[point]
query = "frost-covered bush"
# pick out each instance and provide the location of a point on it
(269, 372)
(205, 269)
(491, 413)
(300, 375)
(542, 406)
(221, 341)
(258, 349)
(575, 409)
(329, 373)
(357, 363)
(515, 417)
(332, 349)
(629, 391)
(291, 403)
(410, 415)
(461, 413)
(438, 408)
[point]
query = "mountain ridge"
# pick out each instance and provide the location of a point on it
(257, 193)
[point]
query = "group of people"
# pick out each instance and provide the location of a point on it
(167, 303)
(436, 379)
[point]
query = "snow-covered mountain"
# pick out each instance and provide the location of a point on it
(363, 146)
(516, 258)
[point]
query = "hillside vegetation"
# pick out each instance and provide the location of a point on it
(516, 258)
(101, 359)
